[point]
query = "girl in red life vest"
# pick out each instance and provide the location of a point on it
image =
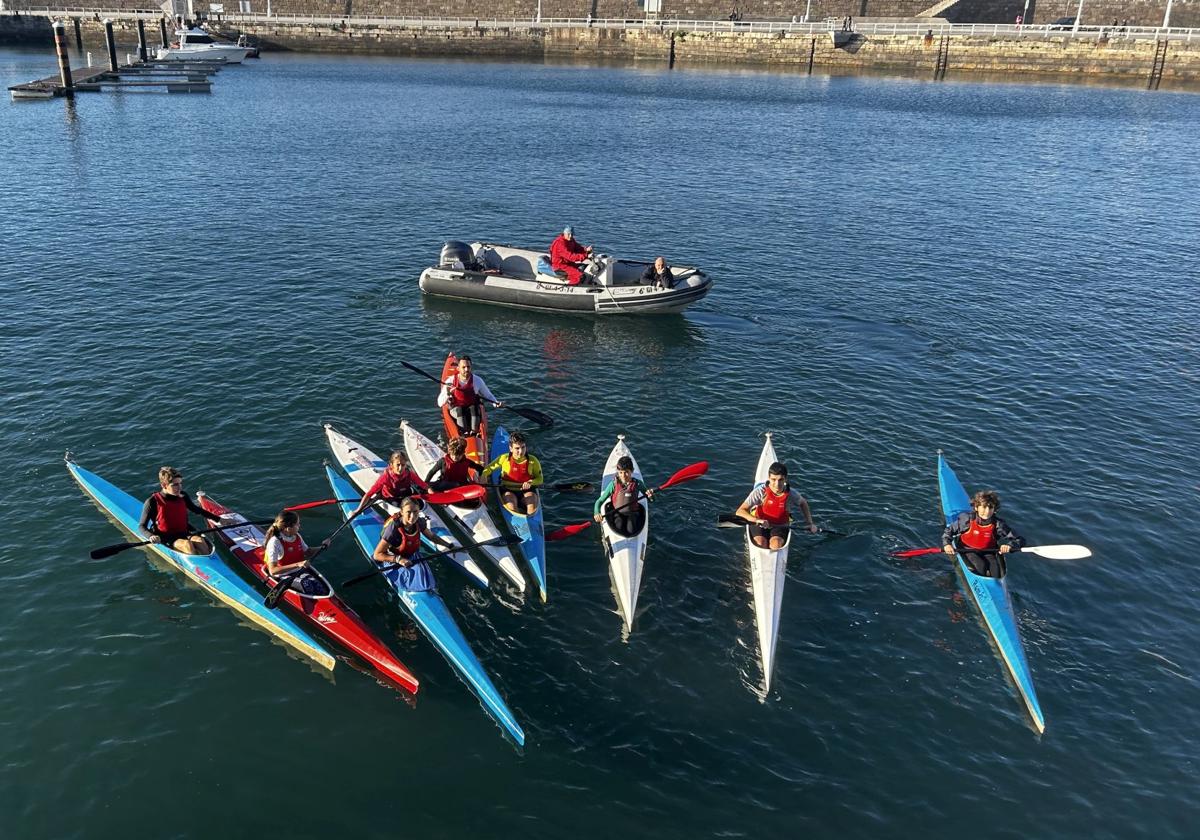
(766, 509)
(624, 510)
(454, 468)
(395, 484)
(981, 536)
(462, 392)
(284, 551)
(165, 516)
(400, 548)
(520, 475)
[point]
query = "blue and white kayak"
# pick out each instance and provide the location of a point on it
(429, 611)
(208, 571)
(529, 527)
(992, 598)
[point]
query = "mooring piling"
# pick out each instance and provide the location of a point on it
(113, 66)
(78, 34)
(64, 61)
(162, 32)
(141, 40)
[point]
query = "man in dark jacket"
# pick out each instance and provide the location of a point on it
(658, 274)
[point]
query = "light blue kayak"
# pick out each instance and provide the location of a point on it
(992, 598)
(429, 611)
(530, 529)
(207, 570)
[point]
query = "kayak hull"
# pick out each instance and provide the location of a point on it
(207, 571)
(992, 599)
(530, 528)
(626, 555)
(768, 572)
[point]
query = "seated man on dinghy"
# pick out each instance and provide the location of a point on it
(658, 274)
(624, 511)
(165, 516)
(520, 475)
(766, 509)
(395, 484)
(463, 391)
(284, 551)
(567, 255)
(400, 547)
(981, 537)
(455, 469)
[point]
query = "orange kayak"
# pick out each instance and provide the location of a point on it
(476, 444)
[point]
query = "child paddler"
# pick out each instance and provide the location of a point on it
(284, 551)
(463, 391)
(400, 544)
(766, 509)
(165, 516)
(520, 475)
(396, 483)
(454, 469)
(625, 513)
(981, 537)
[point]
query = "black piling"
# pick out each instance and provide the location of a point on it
(812, 49)
(671, 55)
(162, 31)
(64, 62)
(141, 41)
(78, 34)
(112, 46)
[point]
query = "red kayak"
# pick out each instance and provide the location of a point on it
(328, 612)
(476, 444)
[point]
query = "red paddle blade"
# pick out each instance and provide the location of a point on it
(455, 495)
(916, 552)
(568, 531)
(686, 474)
(307, 505)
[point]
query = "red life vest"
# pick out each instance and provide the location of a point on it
(293, 551)
(980, 537)
(457, 472)
(623, 494)
(172, 515)
(409, 544)
(774, 506)
(396, 487)
(518, 473)
(463, 395)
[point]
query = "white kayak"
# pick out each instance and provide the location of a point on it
(626, 555)
(364, 466)
(767, 570)
(423, 454)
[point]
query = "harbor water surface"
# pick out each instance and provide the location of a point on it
(1006, 272)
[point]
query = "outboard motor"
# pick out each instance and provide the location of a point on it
(601, 269)
(456, 255)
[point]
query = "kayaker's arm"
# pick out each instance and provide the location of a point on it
(435, 470)
(604, 497)
(384, 553)
(485, 392)
(195, 508)
(432, 537)
(955, 530)
(1009, 540)
(366, 501)
(499, 463)
(808, 520)
(444, 393)
(535, 472)
(752, 501)
(149, 515)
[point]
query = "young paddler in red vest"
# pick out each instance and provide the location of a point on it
(981, 537)
(621, 493)
(454, 468)
(766, 509)
(165, 516)
(520, 475)
(463, 391)
(396, 483)
(284, 550)
(400, 544)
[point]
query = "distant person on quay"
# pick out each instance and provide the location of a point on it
(567, 255)
(658, 274)
(981, 537)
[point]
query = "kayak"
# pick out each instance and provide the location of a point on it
(429, 612)
(476, 444)
(767, 573)
(529, 527)
(364, 466)
(626, 555)
(208, 571)
(472, 517)
(991, 597)
(328, 612)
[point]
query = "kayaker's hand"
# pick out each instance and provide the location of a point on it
(650, 494)
(813, 529)
(498, 405)
(528, 485)
(599, 517)
(326, 542)
(949, 549)
(155, 539)
(761, 523)
(1004, 549)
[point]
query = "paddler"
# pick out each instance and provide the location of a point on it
(396, 483)
(766, 509)
(463, 391)
(520, 475)
(981, 537)
(165, 516)
(284, 551)
(400, 544)
(455, 468)
(622, 493)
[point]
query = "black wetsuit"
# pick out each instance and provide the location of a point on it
(988, 563)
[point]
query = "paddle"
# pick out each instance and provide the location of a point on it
(732, 520)
(378, 570)
(563, 487)
(1052, 552)
(110, 550)
(453, 496)
(691, 471)
(543, 420)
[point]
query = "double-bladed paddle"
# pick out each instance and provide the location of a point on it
(531, 414)
(688, 473)
(453, 496)
(282, 583)
(732, 520)
(378, 570)
(1052, 552)
(110, 550)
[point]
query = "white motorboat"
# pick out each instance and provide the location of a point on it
(197, 45)
(522, 278)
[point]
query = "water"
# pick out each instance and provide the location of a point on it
(1003, 271)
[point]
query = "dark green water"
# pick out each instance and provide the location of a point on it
(1005, 272)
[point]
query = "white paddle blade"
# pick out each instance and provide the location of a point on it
(1059, 552)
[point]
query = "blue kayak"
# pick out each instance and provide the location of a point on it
(429, 611)
(529, 528)
(992, 598)
(206, 570)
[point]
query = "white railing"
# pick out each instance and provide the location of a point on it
(936, 27)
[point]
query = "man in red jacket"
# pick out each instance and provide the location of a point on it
(567, 255)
